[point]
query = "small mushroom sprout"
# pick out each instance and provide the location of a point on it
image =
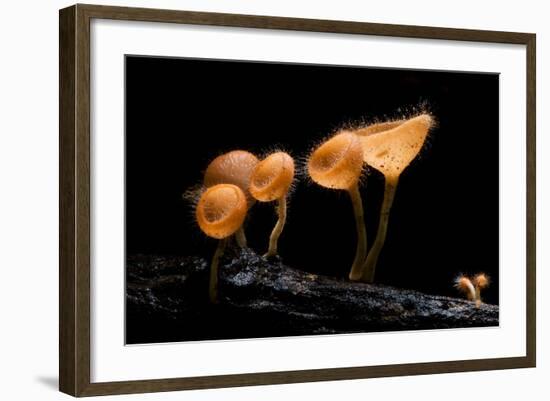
(270, 181)
(220, 212)
(389, 148)
(338, 164)
(235, 168)
(472, 287)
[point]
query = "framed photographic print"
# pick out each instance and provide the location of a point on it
(251, 200)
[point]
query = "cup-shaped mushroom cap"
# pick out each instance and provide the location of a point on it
(390, 151)
(221, 210)
(481, 280)
(272, 177)
(338, 162)
(233, 167)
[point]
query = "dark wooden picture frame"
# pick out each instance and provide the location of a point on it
(74, 175)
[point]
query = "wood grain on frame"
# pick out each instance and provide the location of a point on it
(74, 199)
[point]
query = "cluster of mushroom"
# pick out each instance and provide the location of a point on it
(338, 163)
(234, 181)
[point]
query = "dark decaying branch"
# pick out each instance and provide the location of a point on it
(167, 300)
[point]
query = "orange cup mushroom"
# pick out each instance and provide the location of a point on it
(270, 181)
(220, 213)
(465, 285)
(338, 164)
(235, 168)
(390, 147)
(481, 281)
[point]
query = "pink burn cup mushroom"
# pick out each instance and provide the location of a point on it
(220, 212)
(271, 181)
(337, 164)
(390, 147)
(235, 168)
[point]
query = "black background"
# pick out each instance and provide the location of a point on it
(181, 113)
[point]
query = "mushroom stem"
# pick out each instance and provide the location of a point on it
(241, 238)
(477, 296)
(361, 252)
(278, 229)
(370, 264)
(213, 287)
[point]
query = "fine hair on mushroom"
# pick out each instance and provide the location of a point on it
(220, 212)
(271, 181)
(234, 167)
(337, 164)
(389, 147)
